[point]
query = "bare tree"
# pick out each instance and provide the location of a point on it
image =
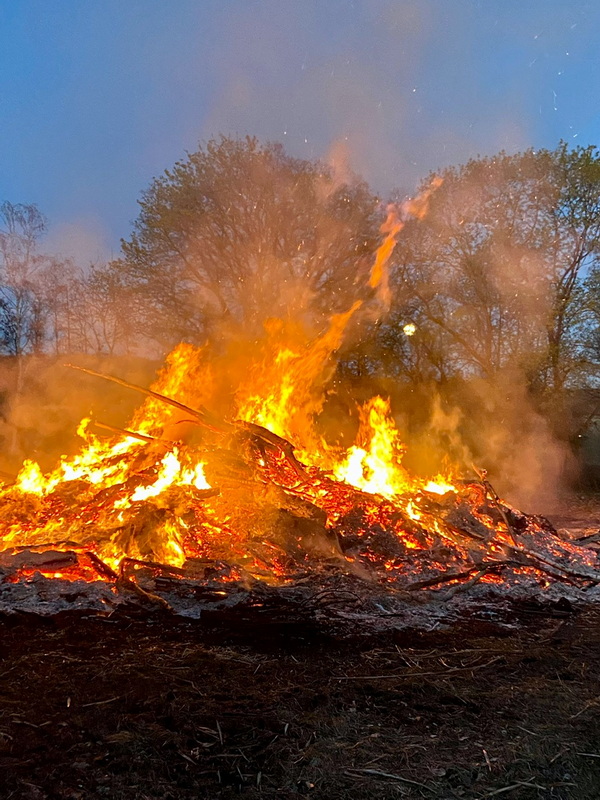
(21, 308)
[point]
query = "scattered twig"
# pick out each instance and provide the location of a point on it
(495, 498)
(449, 576)
(100, 702)
(124, 432)
(563, 750)
(451, 671)
(531, 733)
(487, 758)
(120, 580)
(377, 773)
(102, 567)
(586, 538)
(514, 786)
(29, 724)
(589, 704)
(463, 587)
(201, 416)
(153, 598)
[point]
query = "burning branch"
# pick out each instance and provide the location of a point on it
(201, 416)
(124, 432)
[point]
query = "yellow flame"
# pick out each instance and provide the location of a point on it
(169, 470)
(30, 478)
(375, 466)
(438, 486)
(282, 390)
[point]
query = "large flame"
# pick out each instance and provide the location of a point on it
(144, 493)
(185, 482)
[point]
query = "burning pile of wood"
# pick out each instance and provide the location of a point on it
(207, 508)
(190, 506)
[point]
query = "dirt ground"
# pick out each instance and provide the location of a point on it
(157, 708)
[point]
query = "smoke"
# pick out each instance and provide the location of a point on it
(525, 461)
(275, 85)
(40, 420)
(404, 85)
(493, 426)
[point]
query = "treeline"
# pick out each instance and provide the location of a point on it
(498, 285)
(51, 305)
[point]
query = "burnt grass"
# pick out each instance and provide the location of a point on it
(132, 706)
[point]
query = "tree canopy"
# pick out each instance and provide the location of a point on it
(239, 230)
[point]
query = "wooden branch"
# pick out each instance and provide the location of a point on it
(377, 773)
(559, 571)
(495, 498)
(463, 587)
(278, 442)
(266, 435)
(201, 416)
(102, 567)
(124, 432)
(136, 589)
(120, 580)
(438, 579)
(539, 561)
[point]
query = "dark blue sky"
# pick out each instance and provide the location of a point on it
(99, 96)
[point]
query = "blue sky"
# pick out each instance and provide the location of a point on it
(99, 96)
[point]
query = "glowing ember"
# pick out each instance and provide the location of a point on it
(438, 486)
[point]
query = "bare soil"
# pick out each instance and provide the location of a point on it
(132, 706)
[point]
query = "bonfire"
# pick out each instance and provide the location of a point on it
(244, 493)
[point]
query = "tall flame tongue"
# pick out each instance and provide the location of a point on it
(282, 389)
